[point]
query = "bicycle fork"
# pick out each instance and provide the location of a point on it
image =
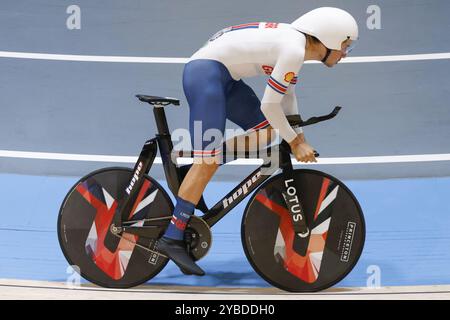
(293, 203)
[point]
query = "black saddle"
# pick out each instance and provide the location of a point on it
(158, 101)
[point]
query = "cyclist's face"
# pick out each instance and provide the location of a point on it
(336, 55)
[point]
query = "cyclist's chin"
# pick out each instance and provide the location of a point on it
(330, 65)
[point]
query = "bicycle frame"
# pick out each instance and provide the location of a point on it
(163, 142)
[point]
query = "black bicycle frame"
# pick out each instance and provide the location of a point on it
(163, 142)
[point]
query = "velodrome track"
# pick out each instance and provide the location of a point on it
(65, 94)
(16, 290)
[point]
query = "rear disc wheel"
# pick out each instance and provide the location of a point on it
(85, 220)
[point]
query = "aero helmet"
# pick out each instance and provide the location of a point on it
(331, 26)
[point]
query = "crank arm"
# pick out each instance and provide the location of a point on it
(141, 246)
(149, 232)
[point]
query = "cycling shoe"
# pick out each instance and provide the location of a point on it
(176, 251)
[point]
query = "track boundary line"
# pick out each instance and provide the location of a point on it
(133, 159)
(225, 292)
(131, 59)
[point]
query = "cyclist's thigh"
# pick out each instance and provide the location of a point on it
(244, 108)
(204, 85)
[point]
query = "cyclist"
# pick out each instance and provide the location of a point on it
(212, 82)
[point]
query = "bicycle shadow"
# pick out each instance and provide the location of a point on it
(171, 275)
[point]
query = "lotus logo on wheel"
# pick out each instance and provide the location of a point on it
(296, 209)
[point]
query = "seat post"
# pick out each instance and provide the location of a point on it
(165, 148)
(161, 120)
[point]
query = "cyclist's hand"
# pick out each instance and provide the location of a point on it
(302, 150)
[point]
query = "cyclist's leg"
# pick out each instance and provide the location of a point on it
(196, 180)
(204, 83)
(244, 109)
(207, 104)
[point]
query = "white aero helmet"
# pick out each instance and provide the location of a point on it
(331, 26)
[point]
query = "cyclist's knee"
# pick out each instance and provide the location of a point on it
(207, 163)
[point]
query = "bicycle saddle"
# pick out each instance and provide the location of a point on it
(158, 101)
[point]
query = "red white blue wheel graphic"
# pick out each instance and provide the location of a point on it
(85, 220)
(293, 263)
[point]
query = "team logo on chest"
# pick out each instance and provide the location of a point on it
(267, 69)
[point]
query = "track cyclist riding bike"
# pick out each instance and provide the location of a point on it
(212, 83)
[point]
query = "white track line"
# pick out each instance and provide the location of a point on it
(28, 289)
(407, 57)
(125, 59)
(124, 159)
(87, 58)
(129, 159)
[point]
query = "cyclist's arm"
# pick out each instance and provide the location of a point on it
(290, 105)
(284, 71)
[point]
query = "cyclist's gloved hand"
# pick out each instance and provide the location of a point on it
(302, 150)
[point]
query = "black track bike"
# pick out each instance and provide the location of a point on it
(302, 230)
